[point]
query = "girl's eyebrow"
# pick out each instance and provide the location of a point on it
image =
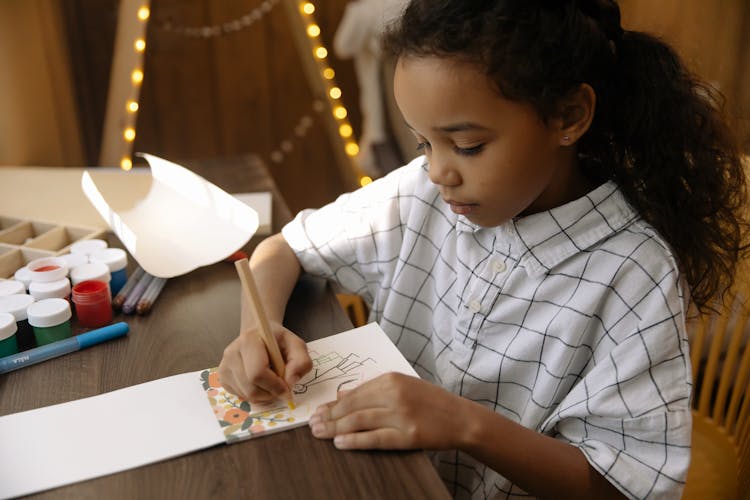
(455, 127)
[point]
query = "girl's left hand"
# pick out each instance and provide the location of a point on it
(392, 411)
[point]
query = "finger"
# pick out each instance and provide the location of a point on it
(298, 362)
(244, 371)
(365, 420)
(366, 396)
(230, 362)
(379, 439)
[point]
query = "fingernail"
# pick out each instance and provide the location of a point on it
(318, 429)
(338, 441)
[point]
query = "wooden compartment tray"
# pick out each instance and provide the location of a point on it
(22, 241)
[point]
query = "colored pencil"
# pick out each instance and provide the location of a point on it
(264, 329)
(119, 299)
(150, 295)
(136, 293)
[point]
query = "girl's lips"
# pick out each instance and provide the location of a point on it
(461, 208)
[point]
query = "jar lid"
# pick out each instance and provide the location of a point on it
(47, 269)
(75, 259)
(8, 326)
(49, 312)
(50, 290)
(87, 247)
(23, 275)
(11, 287)
(16, 305)
(115, 258)
(93, 271)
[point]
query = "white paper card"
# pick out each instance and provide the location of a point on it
(184, 222)
(70, 442)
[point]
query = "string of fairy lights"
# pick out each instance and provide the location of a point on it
(319, 53)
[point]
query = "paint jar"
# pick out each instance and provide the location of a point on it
(94, 271)
(59, 289)
(17, 305)
(8, 341)
(11, 287)
(74, 259)
(47, 269)
(24, 276)
(50, 319)
(87, 247)
(117, 261)
(93, 303)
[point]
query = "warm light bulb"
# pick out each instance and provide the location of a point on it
(137, 76)
(308, 8)
(345, 131)
(351, 148)
(143, 13)
(328, 73)
(140, 45)
(126, 164)
(335, 92)
(321, 52)
(363, 181)
(339, 112)
(313, 30)
(129, 134)
(132, 106)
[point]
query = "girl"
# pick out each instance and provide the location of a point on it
(534, 264)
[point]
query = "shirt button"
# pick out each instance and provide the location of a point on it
(474, 306)
(498, 266)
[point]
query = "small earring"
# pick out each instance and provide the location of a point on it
(566, 138)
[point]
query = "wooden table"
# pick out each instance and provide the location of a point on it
(196, 316)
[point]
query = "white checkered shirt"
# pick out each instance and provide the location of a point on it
(570, 322)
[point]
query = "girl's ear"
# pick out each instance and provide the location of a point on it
(575, 113)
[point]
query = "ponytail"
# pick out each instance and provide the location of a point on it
(676, 161)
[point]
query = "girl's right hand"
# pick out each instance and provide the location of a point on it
(244, 369)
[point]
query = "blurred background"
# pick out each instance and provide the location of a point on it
(227, 78)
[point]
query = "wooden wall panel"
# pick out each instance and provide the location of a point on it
(38, 113)
(244, 92)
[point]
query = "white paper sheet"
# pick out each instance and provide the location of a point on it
(66, 443)
(184, 222)
(70, 442)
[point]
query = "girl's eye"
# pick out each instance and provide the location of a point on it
(469, 151)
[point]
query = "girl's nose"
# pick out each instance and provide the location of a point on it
(442, 173)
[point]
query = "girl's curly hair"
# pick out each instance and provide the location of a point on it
(658, 131)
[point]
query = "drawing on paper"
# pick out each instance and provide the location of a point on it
(333, 368)
(241, 419)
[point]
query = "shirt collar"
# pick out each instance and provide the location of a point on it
(543, 240)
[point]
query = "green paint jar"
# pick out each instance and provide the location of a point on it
(50, 319)
(8, 341)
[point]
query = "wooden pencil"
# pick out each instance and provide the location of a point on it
(264, 329)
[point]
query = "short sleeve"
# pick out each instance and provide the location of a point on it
(630, 413)
(355, 240)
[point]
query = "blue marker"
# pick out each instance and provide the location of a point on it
(55, 349)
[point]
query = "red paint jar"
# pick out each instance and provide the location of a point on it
(93, 303)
